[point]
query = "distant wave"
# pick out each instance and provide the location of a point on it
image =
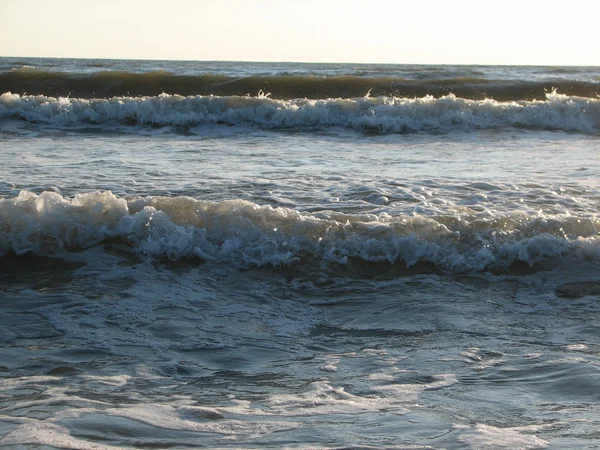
(382, 114)
(245, 234)
(106, 84)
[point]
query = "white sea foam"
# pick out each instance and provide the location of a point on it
(486, 436)
(246, 234)
(385, 114)
(49, 434)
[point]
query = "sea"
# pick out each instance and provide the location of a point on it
(239, 255)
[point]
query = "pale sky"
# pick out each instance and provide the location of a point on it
(376, 31)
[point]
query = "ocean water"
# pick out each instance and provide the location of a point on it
(257, 255)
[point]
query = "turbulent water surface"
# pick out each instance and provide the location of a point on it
(253, 255)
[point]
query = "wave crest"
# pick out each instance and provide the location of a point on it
(384, 114)
(111, 83)
(245, 234)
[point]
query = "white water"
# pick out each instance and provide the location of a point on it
(385, 114)
(246, 234)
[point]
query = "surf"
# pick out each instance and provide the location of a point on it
(383, 114)
(246, 234)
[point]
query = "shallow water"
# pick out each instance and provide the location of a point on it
(124, 352)
(271, 281)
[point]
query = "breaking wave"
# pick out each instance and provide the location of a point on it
(383, 114)
(245, 234)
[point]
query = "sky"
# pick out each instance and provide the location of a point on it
(368, 31)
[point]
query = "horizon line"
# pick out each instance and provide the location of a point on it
(302, 62)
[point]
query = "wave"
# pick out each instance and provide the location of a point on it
(106, 84)
(383, 114)
(245, 234)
